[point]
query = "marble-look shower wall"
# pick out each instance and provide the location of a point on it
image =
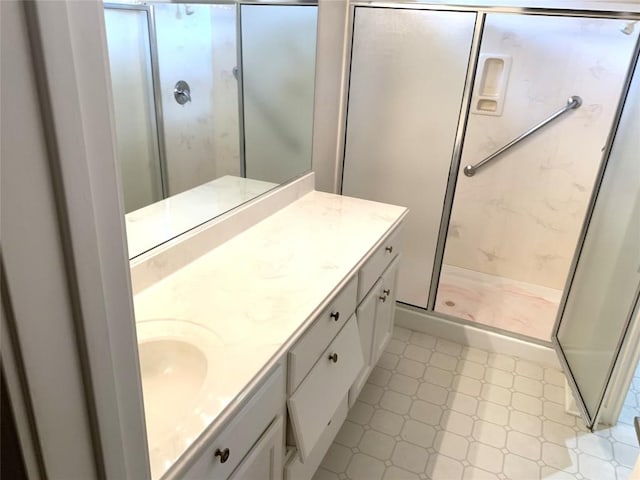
(520, 216)
(197, 43)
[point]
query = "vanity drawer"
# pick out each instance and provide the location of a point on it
(306, 352)
(315, 402)
(295, 469)
(377, 263)
(242, 433)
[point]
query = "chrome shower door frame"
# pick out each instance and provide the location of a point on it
(155, 99)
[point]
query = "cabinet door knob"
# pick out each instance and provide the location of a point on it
(386, 291)
(223, 454)
(384, 297)
(335, 315)
(388, 249)
(334, 357)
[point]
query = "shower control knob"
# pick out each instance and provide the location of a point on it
(335, 316)
(182, 92)
(222, 454)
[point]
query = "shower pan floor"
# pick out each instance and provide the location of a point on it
(499, 302)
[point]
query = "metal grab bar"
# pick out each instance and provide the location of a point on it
(572, 103)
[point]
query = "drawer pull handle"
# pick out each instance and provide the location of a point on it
(335, 315)
(334, 357)
(223, 454)
(388, 249)
(385, 293)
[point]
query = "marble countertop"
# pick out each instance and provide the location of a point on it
(255, 294)
(161, 221)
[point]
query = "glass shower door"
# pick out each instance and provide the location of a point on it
(278, 77)
(516, 219)
(606, 284)
(137, 146)
(408, 73)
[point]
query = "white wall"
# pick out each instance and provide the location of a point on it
(330, 86)
(33, 263)
(63, 242)
(520, 216)
(197, 43)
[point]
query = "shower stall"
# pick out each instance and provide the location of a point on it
(493, 128)
(512, 136)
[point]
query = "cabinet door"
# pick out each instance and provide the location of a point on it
(385, 310)
(366, 316)
(264, 461)
(239, 437)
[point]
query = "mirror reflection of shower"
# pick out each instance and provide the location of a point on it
(205, 114)
(185, 116)
(184, 130)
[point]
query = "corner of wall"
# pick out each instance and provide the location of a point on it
(329, 101)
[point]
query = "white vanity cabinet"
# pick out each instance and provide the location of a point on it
(264, 461)
(322, 367)
(302, 309)
(385, 308)
(377, 281)
(319, 402)
(251, 446)
(325, 371)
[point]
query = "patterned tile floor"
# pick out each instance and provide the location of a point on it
(437, 410)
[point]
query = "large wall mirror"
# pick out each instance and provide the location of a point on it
(213, 106)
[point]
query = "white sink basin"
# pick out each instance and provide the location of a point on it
(174, 371)
(176, 365)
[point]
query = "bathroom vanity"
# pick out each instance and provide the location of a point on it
(252, 353)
